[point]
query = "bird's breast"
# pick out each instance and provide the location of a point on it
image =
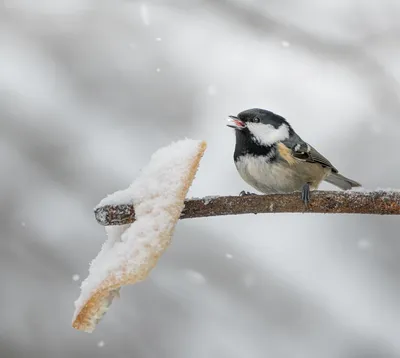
(278, 176)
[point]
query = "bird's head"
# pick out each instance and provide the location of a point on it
(264, 127)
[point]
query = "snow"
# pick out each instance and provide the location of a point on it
(271, 207)
(360, 190)
(154, 195)
(208, 199)
(118, 198)
(229, 256)
(367, 192)
(75, 277)
(100, 344)
(158, 39)
(195, 277)
(158, 69)
(387, 190)
(285, 44)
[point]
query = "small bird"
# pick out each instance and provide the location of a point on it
(272, 158)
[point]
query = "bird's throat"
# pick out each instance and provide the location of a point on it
(246, 145)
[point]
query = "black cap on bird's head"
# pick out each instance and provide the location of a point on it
(256, 115)
(264, 126)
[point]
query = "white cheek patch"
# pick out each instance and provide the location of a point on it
(266, 134)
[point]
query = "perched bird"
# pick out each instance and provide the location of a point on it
(272, 158)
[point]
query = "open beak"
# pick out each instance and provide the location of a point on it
(235, 122)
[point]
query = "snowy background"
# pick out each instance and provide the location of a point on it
(89, 89)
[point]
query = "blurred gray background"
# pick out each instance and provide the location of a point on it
(89, 89)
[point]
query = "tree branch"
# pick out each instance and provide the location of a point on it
(325, 202)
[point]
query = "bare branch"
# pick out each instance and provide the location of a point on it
(325, 202)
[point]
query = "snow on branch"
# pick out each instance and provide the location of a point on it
(132, 251)
(326, 202)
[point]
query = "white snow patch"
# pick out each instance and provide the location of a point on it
(154, 195)
(360, 189)
(195, 277)
(267, 134)
(271, 207)
(388, 190)
(208, 199)
(75, 277)
(118, 198)
(144, 14)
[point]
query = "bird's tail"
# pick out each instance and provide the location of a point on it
(341, 181)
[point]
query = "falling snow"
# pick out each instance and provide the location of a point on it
(285, 44)
(75, 277)
(100, 344)
(195, 277)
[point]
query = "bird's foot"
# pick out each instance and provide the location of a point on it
(305, 195)
(246, 193)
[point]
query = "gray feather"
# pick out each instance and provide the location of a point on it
(303, 151)
(341, 182)
(316, 157)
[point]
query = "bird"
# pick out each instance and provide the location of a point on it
(272, 158)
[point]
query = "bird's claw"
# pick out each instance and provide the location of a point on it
(246, 193)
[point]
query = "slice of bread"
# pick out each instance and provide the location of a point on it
(131, 251)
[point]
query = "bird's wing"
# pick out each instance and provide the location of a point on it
(303, 151)
(316, 157)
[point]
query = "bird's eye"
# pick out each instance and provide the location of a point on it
(256, 120)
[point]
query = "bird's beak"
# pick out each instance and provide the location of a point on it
(235, 122)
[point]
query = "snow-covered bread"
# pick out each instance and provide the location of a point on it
(131, 251)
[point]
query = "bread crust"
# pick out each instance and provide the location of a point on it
(89, 314)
